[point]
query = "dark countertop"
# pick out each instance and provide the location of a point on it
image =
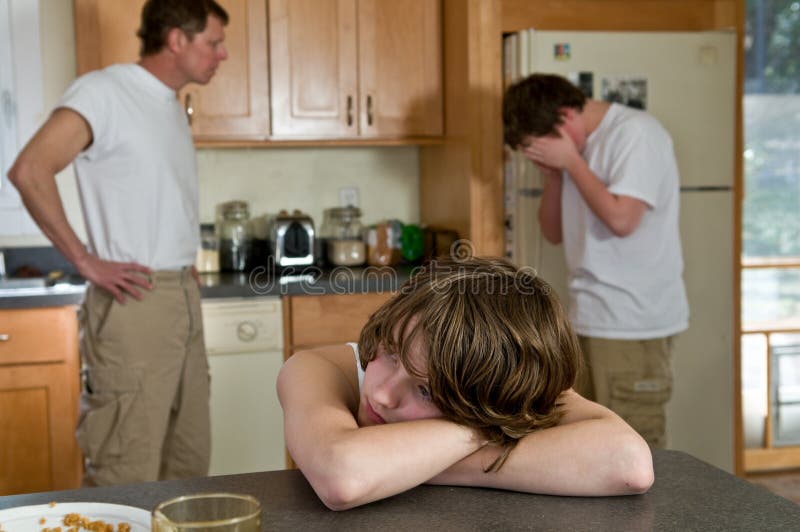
(51, 296)
(688, 495)
(309, 281)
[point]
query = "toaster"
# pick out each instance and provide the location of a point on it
(291, 239)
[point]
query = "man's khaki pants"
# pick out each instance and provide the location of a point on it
(631, 377)
(144, 404)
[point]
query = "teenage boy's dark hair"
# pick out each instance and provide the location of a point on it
(160, 16)
(531, 106)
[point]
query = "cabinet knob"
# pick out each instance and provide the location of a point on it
(189, 108)
(247, 331)
(369, 110)
(5, 337)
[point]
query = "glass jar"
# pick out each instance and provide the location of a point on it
(342, 233)
(383, 243)
(235, 237)
(208, 255)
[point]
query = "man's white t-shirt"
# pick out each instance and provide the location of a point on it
(627, 287)
(138, 178)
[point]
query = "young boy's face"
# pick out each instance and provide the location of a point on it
(390, 393)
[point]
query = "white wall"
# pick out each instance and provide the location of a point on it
(270, 179)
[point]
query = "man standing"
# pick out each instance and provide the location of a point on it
(611, 195)
(144, 403)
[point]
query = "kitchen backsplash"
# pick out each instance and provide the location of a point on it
(309, 179)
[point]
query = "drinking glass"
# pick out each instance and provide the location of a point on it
(208, 512)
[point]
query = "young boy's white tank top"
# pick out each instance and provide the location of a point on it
(358, 364)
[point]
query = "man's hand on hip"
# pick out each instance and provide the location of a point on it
(119, 278)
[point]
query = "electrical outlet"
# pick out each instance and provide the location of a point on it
(348, 196)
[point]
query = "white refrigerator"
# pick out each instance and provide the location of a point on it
(687, 81)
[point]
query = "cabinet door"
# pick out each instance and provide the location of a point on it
(38, 412)
(36, 335)
(235, 104)
(327, 319)
(400, 67)
(313, 68)
(105, 33)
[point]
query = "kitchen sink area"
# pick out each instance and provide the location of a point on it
(22, 283)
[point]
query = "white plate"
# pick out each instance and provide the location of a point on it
(27, 518)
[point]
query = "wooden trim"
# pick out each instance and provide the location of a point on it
(620, 15)
(768, 424)
(738, 197)
(771, 459)
(487, 209)
(286, 312)
(785, 327)
(444, 170)
(770, 262)
(318, 143)
(87, 36)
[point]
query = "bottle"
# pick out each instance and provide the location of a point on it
(383, 243)
(235, 237)
(207, 260)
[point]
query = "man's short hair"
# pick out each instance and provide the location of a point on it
(531, 106)
(160, 16)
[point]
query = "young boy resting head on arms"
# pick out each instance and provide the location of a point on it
(462, 378)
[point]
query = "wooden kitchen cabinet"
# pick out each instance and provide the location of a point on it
(311, 321)
(39, 390)
(233, 106)
(347, 68)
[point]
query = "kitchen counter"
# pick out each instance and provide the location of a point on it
(688, 495)
(310, 281)
(58, 295)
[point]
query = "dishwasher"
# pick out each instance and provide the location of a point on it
(244, 342)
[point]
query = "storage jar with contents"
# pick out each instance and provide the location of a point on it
(208, 255)
(235, 237)
(342, 233)
(383, 243)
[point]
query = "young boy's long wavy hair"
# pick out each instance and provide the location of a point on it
(500, 349)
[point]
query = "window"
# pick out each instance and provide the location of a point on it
(771, 228)
(21, 102)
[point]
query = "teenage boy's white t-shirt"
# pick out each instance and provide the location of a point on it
(627, 287)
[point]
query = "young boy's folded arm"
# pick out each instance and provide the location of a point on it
(592, 452)
(347, 465)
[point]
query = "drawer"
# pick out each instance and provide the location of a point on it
(331, 319)
(38, 335)
(242, 325)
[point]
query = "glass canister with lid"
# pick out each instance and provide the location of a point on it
(342, 232)
(235, 236)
